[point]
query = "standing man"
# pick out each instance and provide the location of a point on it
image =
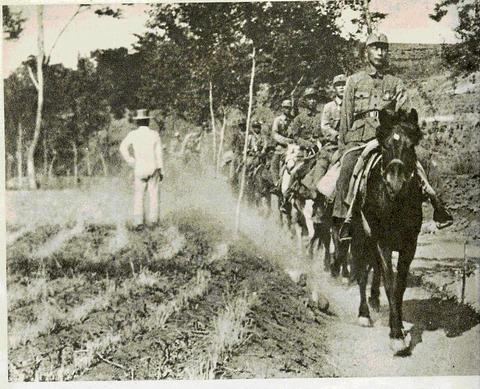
(366, 93)
(147, 161)
(281, 139)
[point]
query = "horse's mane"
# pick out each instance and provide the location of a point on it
(408, 121)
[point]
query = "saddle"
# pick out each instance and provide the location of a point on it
(366, 162)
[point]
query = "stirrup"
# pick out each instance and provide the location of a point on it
(442, 225)
(442, 218)
(345, 233)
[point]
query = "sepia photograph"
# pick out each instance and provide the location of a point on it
(263, 193)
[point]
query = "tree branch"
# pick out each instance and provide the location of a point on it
(77, 12)
(32, 77)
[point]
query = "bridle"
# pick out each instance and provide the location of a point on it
(393, 162)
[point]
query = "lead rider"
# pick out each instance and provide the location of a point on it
(366, 93)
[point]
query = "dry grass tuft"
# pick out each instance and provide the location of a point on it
(196, 287)
(57, 241)
(230, 330)
(175, 243)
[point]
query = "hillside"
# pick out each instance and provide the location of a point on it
(437, 96)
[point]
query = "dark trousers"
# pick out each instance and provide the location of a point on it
(340, 207)
(275, 167)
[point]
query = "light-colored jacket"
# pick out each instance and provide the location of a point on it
(147, 151)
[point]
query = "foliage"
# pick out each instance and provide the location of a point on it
(211, 42)
(463, 57)
(119, 73)
(75, 106)
(12, 23)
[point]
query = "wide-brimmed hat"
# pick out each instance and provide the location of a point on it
(142, 114)
(376, 37)
(339, 79)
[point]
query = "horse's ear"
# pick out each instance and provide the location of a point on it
(413, 116)
(416, 134)
(385, 121)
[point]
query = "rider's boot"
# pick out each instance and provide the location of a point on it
(441, 216)
(345, 233)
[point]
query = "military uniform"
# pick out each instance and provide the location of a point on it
(366, 93)
(279, 127)
(305, 129)
(331, 117)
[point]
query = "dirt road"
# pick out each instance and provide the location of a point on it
(258, 270)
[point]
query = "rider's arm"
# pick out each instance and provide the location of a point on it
(346, 112)
(283, 140)
(327, 130)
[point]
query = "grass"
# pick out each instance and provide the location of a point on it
(230, 330)
(195, 288)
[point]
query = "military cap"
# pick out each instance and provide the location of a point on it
(286, 103)
(376, 38)
(339, 79)
(256, 124)
(309, 92)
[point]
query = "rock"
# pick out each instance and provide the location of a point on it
(320, 301)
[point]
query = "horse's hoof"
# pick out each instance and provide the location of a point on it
(374, 304)
(364, 321)
(399, 346)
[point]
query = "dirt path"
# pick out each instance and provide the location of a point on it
(445, 336)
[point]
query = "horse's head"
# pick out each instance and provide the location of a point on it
(398, 134)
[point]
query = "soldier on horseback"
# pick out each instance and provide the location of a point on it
(281, 139)
(331, 111)
(366, 93)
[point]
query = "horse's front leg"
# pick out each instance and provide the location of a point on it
(397, 342)
(341, 249)
(325, 238)
(361, 257)
(405, 258)
(374, 300)
(312, 231)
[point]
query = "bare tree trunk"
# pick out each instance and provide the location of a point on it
(220, 146)
(75, 163)
(212, 118)
(368, 16)
(245, 145)
(104, 164)
(45, 155)
(87, 161)
(50, 167)
(39, 85)
(174, 120)
(20, 155)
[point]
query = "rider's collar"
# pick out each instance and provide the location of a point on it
(374, 72)
(338, 100)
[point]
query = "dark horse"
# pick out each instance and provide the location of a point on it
(389, 218)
